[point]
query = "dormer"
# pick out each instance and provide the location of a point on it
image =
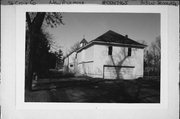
(83, 42)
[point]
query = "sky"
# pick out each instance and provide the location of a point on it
(138, 26)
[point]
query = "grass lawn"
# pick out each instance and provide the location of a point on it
(96, 91)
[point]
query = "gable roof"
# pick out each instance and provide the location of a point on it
(113, 37)
(83, 41)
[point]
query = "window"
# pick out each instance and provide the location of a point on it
(81, 44)
(110, 50)
(76, 56)
(129, 51)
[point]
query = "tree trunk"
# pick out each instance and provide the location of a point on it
(34, 27)
(27, 52)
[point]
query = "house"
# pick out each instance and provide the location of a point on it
(69, 62)
(109, 56)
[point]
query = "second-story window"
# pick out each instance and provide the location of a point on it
(71, 65)
(129, 51)
(110, 50)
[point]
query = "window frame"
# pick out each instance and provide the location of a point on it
(129, 51)
(110, 50)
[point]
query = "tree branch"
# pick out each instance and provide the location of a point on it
(28, 19)
(38, 20)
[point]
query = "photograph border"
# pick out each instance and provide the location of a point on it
(20, 55)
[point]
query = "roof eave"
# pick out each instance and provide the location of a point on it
(120, 44)
(87, 45)
(111, 43)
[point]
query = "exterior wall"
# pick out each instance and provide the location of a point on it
(119, 57)
(91, 61)
(70, 63)
(85, 59)
(65, 67)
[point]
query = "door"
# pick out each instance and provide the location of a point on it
(118, 72)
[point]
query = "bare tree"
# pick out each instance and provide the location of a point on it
(74, 47)
(156, 53)
(153, 58)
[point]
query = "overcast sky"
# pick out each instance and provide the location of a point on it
(138, 26)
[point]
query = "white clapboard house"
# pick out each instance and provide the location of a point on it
(109, 56)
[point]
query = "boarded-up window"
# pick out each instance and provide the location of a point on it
(129, 51)
(110, 50)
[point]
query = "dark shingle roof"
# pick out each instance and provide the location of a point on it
(113, 37)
